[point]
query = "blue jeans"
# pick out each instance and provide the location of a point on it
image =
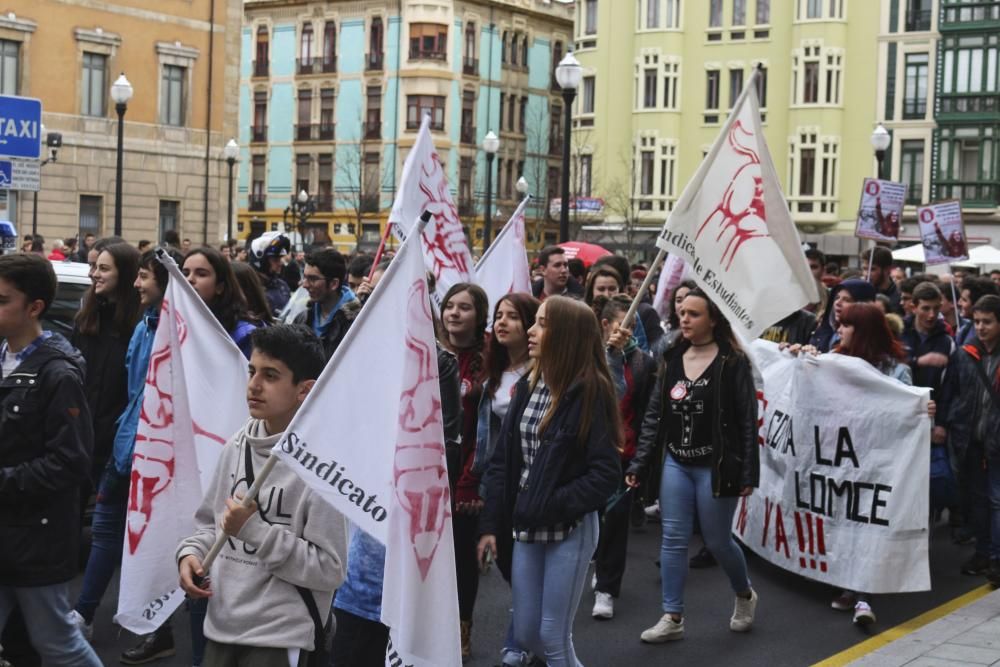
(108, 533)
(983, 478)
(547, 580)
(46, 613)
(684, 491)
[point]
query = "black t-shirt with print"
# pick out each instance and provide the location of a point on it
(689, 421)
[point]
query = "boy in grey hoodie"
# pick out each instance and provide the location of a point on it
(290, 538)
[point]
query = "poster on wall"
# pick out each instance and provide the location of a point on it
(943, 233)
(881, 210)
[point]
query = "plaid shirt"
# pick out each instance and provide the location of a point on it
(538, 404)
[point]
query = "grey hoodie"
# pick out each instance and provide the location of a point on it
(300, 541)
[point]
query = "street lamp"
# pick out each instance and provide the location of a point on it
(522, 187)
(54, 141)
(568, 76)
(880, 142)
(302, 207)
(230, 152)
(121, 93)
(491, 144)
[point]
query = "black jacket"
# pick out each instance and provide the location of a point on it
(568, 479)
(735, 458)
(450, 386)
(106, 384)
(46, 438)
(934, 377)
(574, 289)
(334, 334)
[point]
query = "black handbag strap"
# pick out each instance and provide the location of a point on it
(305, 593)
(981, 372)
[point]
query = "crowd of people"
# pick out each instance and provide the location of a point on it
(565, 424)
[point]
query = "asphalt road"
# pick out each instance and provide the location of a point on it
(794, 625)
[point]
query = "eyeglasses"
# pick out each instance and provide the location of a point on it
(313, 279)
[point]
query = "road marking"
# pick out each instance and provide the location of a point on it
(892, 634)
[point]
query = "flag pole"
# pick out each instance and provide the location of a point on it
(381, 249)
(660, 256)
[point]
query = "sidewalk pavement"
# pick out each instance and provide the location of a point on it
(969, 635)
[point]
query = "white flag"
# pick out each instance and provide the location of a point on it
(674, 271)
(194, 401)
(424, 187)
(504, 268)
(733, 226)
(372, 445)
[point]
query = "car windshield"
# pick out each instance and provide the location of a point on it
(62, 312)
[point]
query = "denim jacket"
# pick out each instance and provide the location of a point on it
(140, 347)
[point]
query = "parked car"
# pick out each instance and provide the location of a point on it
(74, 281)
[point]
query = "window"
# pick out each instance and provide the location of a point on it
(373, 117)
(514, 52)
(503, 48)
(668, 167)
(735, 85)
(169, 216)
(172, 95)
(327, 100)
(587, 99)
(810, 90)
(918, 15)
(465, 203)
(590, 27)
(586, 175)
(712, 89)
(259, 129)
(418, 105)
(834, 70)
(813, 173)
(671, 85)
(330, 47)
(915, 90)
(673, 14)
(650, 77)
(523, 113)
(715, 14)
(304, 126)
(306, 45)
(646, 173)
(814, 8)
(762, 88)
(303, 165)
(652, 14)
(468, 134)
(511, 110)
(911, 168)
(966, 166)
(502, 98)
(739, 12)
(555, 130)
(524, 51)
(9, 67)
(375, 45)
(807, 171)
(324, 189)
(370, 184)
(260, 64)
(258, 176)
(90, 215)
(469, 63)
(94, 88)
(428, 41)
(763, 12)
(969, 70)
(557, 56)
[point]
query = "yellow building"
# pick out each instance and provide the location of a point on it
(181, 57)
(661, 75)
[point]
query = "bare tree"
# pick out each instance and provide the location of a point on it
(621, 201)
(359, 183)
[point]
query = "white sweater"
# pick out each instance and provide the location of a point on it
(301, 541)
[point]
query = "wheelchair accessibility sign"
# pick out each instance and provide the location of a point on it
(19, 175)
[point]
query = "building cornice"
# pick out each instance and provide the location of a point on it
(177, 50)
(97, 36)
(11, 21)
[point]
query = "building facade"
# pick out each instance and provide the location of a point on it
(661, 75)
(181, 57)
(332, 94)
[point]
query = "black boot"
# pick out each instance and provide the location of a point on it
(159, 644)
(702, 559)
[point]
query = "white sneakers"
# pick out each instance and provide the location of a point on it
(665, 630)
(863, 614)
(743, 613)
(604, 606)
(653, 511)
(86, 628)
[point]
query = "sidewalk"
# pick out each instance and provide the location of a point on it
(970, 635)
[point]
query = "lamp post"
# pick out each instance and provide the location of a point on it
(522, 187)
(121, 93)
(302, 207)
(230, 152)
(491, 144)
(568, 76)
(54, 141)
(881, 139)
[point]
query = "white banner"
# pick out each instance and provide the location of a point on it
(732, 225)
(194, 401)
(504, 266)
(423, 186)
(844, 474)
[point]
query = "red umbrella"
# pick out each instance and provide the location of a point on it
(588, 253)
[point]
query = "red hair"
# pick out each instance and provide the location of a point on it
(872, 339)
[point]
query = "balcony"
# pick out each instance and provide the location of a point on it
(468, 135)
(258, 68)
(470, 66)
(369, 203)
(257, 202)
(306, 65)
(555, 143)
(373, 62)
(371, 129)
(466, 208)
(420, 54)
(314, 132)
(918, 20)
(914, 109)
(962, 104)
(324, 203)
(258, 134)
(972, 194)
(958, 16)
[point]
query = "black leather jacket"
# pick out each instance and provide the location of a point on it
(735, 457)
(46, 439)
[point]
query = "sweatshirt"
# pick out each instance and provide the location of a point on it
(299, 541)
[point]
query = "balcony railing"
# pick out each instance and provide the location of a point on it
(468, 134)
(971, 12)
(257, 202)
(969, 103)
(918, 20)
(555, 143)
(369, 203)
(324, 203)
(419, 54)
(470, 66)
(306, 65)
(258, 68)
(371, 129)
(914, 109)
(373, 61)
(314, 132)
(972, 194)
(258, 133)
